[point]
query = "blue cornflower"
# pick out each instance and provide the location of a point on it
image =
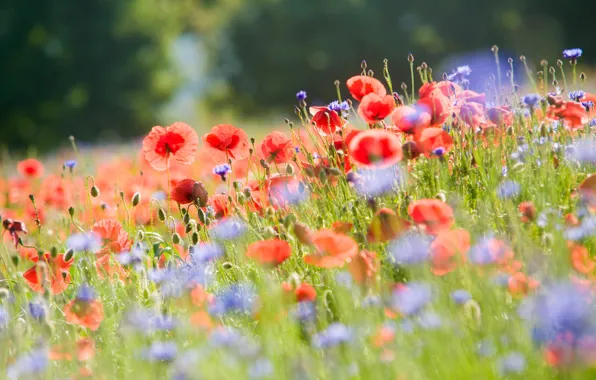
(260, 368)
(335, 334)
(460, 296)
(586, 229)
(290, 193)
(439, 152)
(460, 74)
(3, 317)
(338, 107)
(429, 320)
(228, 229)
(305, 312)
(236, 298)
(486, 348)
(147, 321)
(592, 123)
(37, 310)
(301, 95)
(412, 298)
(576, 95)
(31, 363)
(160, 352)
(231, 338)
(588, 105)
(85, 294)
(572, 53)
(508, 189)
(70, 165)
(410, 248)
(487, 251)
(374, 182)
(203, 253)
(84, 242)
(222, 171)
(583, 151)
(513, 362)
(531, 100)
(134, 258)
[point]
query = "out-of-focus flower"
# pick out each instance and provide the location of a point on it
(228, 228)
(85, 310)
(374, 182)
(508, 190)
(31, 363)
(335, 334)
(531, 100)
(410, 249)
(338, 107)
(38, 310)
(260, 368)
(513, 362)
(81, 242)
(572, 53)
(460, 75)
(461, 296)
(269, 252)
(177, 142)
(332, 250)
(410, 299)
(160, 352)
(235, 298)
(433, 214)
(30, 168)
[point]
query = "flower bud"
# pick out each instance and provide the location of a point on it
(200, 194)
(68, 255)
(161, 214)
(136, 199)
(176, 238)
(195, 238)
(94, 192)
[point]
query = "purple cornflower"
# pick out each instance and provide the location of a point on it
(576, 95)
(429, 320)
(531, 100)
(133, 258)
(260, 368)
(508, 189)
(460, 296)
(486, 348)
(411, 298)
(305, 312)
(31, 363)
(222, 171)
(301, 95)
(410, 248)
(228, 229)
(84, 242)
(460, 75)
(513, 362)
(572, 53)
(236, 298)
(70, 165)
(335, 334)
(204, 253)
(37, 310)
(231, 338)
(588, 105)
(439, 152)
(374, 182)
(85, 294)
(583, 151)
(3, 317)
(160, 352)
(147, 321)
(338, 107)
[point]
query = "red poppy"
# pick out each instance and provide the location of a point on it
(449, 89)
(14, 227)
(228, 139)
(84, 313)
(528, 211)
(200, 297)
(85, 350)
(325, 120)
(115, 238)
(376, 147)
(109, 268)
(283, 190)
(472, 96)
(189, 191)
(574, 114)
(581, 260)
(30, 168)
(472, 114)
(447, 249)
(437, 104)
(342, 227)
(434, 141)
(500, 116)
(410, 119)
(55, 270)
(277, 147)
(177, 141)
(434, 215)
(386, 225)
(521, 284)
(220, 204)
(333, 250)
(305, 293)
(375, 108)
(364, 266)
(362, 85)
(269, 252)
(587, 189)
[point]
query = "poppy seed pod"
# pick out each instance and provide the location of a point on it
(4, 293)
(195, 238)
(68, 255)
(200, 193)
(94, 192)
(71, 211)
(161, 214)
(176, 238)
(136, 199)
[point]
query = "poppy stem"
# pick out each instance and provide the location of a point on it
(413, 82)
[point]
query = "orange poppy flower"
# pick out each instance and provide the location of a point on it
(325, 120)
(342, 227)
(201, 319)
(30, 168)
(449, 89)
(200, 297)
(581, 260)
(472, 114)
(56, 192)
(362, 85)
(57, 271)
(376, 147)
(587, 189)
(115, 238)
(528, 211)
(364, 266)
(434, 215)
(305, 293)
(177, 141)
(410, 119)
(269, 252)
(574, 114)
(500, 116)
(434, 141)
(520, 284)
(84, 311)
(333, 250)
(375, 108)
(437, 105)
(189, 191)
(446, 248)
(228, 139)
(85, 350)
(108, 268)
(277, 147)
(220, 204)
(386, 225)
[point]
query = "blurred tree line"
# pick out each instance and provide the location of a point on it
(101, 68)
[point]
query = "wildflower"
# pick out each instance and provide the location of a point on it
(305, 312)
(335, 334)
(386, 225)
(305, 293)
(460, 75)
(37, 310)
(285, 190)
(375, 147)
(269, 252)
(489, 251)
(222, 171)
(31, 363)
(409, 249)
(378, 181)
(429, 320)
(228, 139)
(436, 103)
(362, 85)
(82, 242)
(85, 310)
(56, 272)
(581, 260)
(338, 107)
(189, 191)
(508, 189)
(434, 141)
(332, 250)
(4, 317)
(235, 298)
(513, 362)
(325, 120)
(583, 151)
(178, 142)
(521, 284)
(572, 53)
(446, 249)
(204, 253)
(531, 100)
(70, 165)
(260, 368)
(576, 95)
(374, 108)
(115, 238)
(486, 348)
(500, 116)
(461, 296)
(277, 147)
(228, 228)
(364, 266)
(30, 168)
(433, 214)
(410, 119)
(528, 211)
(133, 258)
(160, 352)
(14, 227)
(410, 299)
(301, 95)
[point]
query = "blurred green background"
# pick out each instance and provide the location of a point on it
(107, 70)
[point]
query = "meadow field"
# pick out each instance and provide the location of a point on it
(415, 230)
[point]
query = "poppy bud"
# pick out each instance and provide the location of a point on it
(68, 255)
(195, 238)
(94, 192)
(410, 58)
(289, 169)
(15, 259)
(188, 228)
(264, 164)
(140, 235)
(31, 198)
(4, 293)
(183, 211)
(582, 76)
(240, 198)
(441, 196)
(186, 218)
(161, 214)
(323, 177)
(335, 172)
(303, 233)
(136, 199)
(146, 294)
(176, 238)
(227, 265)
(200, 193)
(53, 252)
(156, 249)
(202, 216)
(71, 211)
